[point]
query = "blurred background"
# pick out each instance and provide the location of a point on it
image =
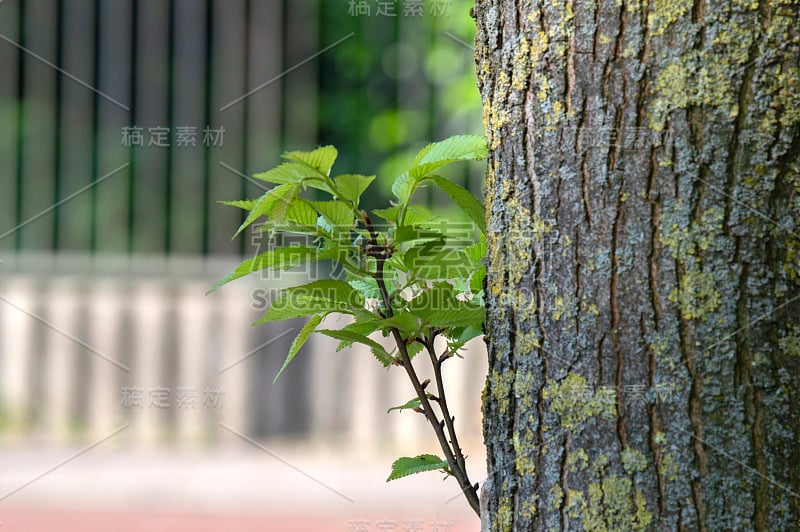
(130, 399)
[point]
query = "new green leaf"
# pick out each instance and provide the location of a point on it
(456, 148)
(402, 467)
(351, 186)
(321, 159)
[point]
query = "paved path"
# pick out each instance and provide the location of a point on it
(233, 490)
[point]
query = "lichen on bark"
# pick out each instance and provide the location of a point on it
(643, 287)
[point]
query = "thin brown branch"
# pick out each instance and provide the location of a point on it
(455, 460)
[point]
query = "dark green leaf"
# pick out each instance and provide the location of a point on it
(350, 336)
(318, 297)
(276, 259)
(298, 342)
(405, 322)
(464, 199)
(438, 307)
(413, 403)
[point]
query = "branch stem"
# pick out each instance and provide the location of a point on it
(453, 455)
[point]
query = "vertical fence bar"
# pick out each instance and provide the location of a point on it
(227, 85)
(75, 147)
(39, 98)
(186, 204)
(9, 136)
(152, 80)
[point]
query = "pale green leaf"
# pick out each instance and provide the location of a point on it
(351, 186)
(242, 204)
(321, 159)
(456, 148)
(273, 203)
(390, 214)
(302, 213)
(338, 214)
(291, 172)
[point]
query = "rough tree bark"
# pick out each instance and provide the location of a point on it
(643, 295)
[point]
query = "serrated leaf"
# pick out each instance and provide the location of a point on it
(419, 215)
(273, 203)
(405, 322)
(276, 259)
(317, 297)
(476, 280)
(298, 342)
(438, 263)
(242, 204)
(353, 337)
(438, 307)
(456, 148)
(471, 316)
(291, 172)
(476, 251)
(405, 466)
(403, 186)
(365, 324)
(351, 186)
(338, 214)
(464, 199)
(413, 349)
(413, 403)
(462, 335)
(390, 214)
(321, 159)
(302, 213)
(367, 286)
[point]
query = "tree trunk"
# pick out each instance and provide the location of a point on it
(643, 294)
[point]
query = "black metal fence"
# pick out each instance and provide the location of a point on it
(123, 121)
